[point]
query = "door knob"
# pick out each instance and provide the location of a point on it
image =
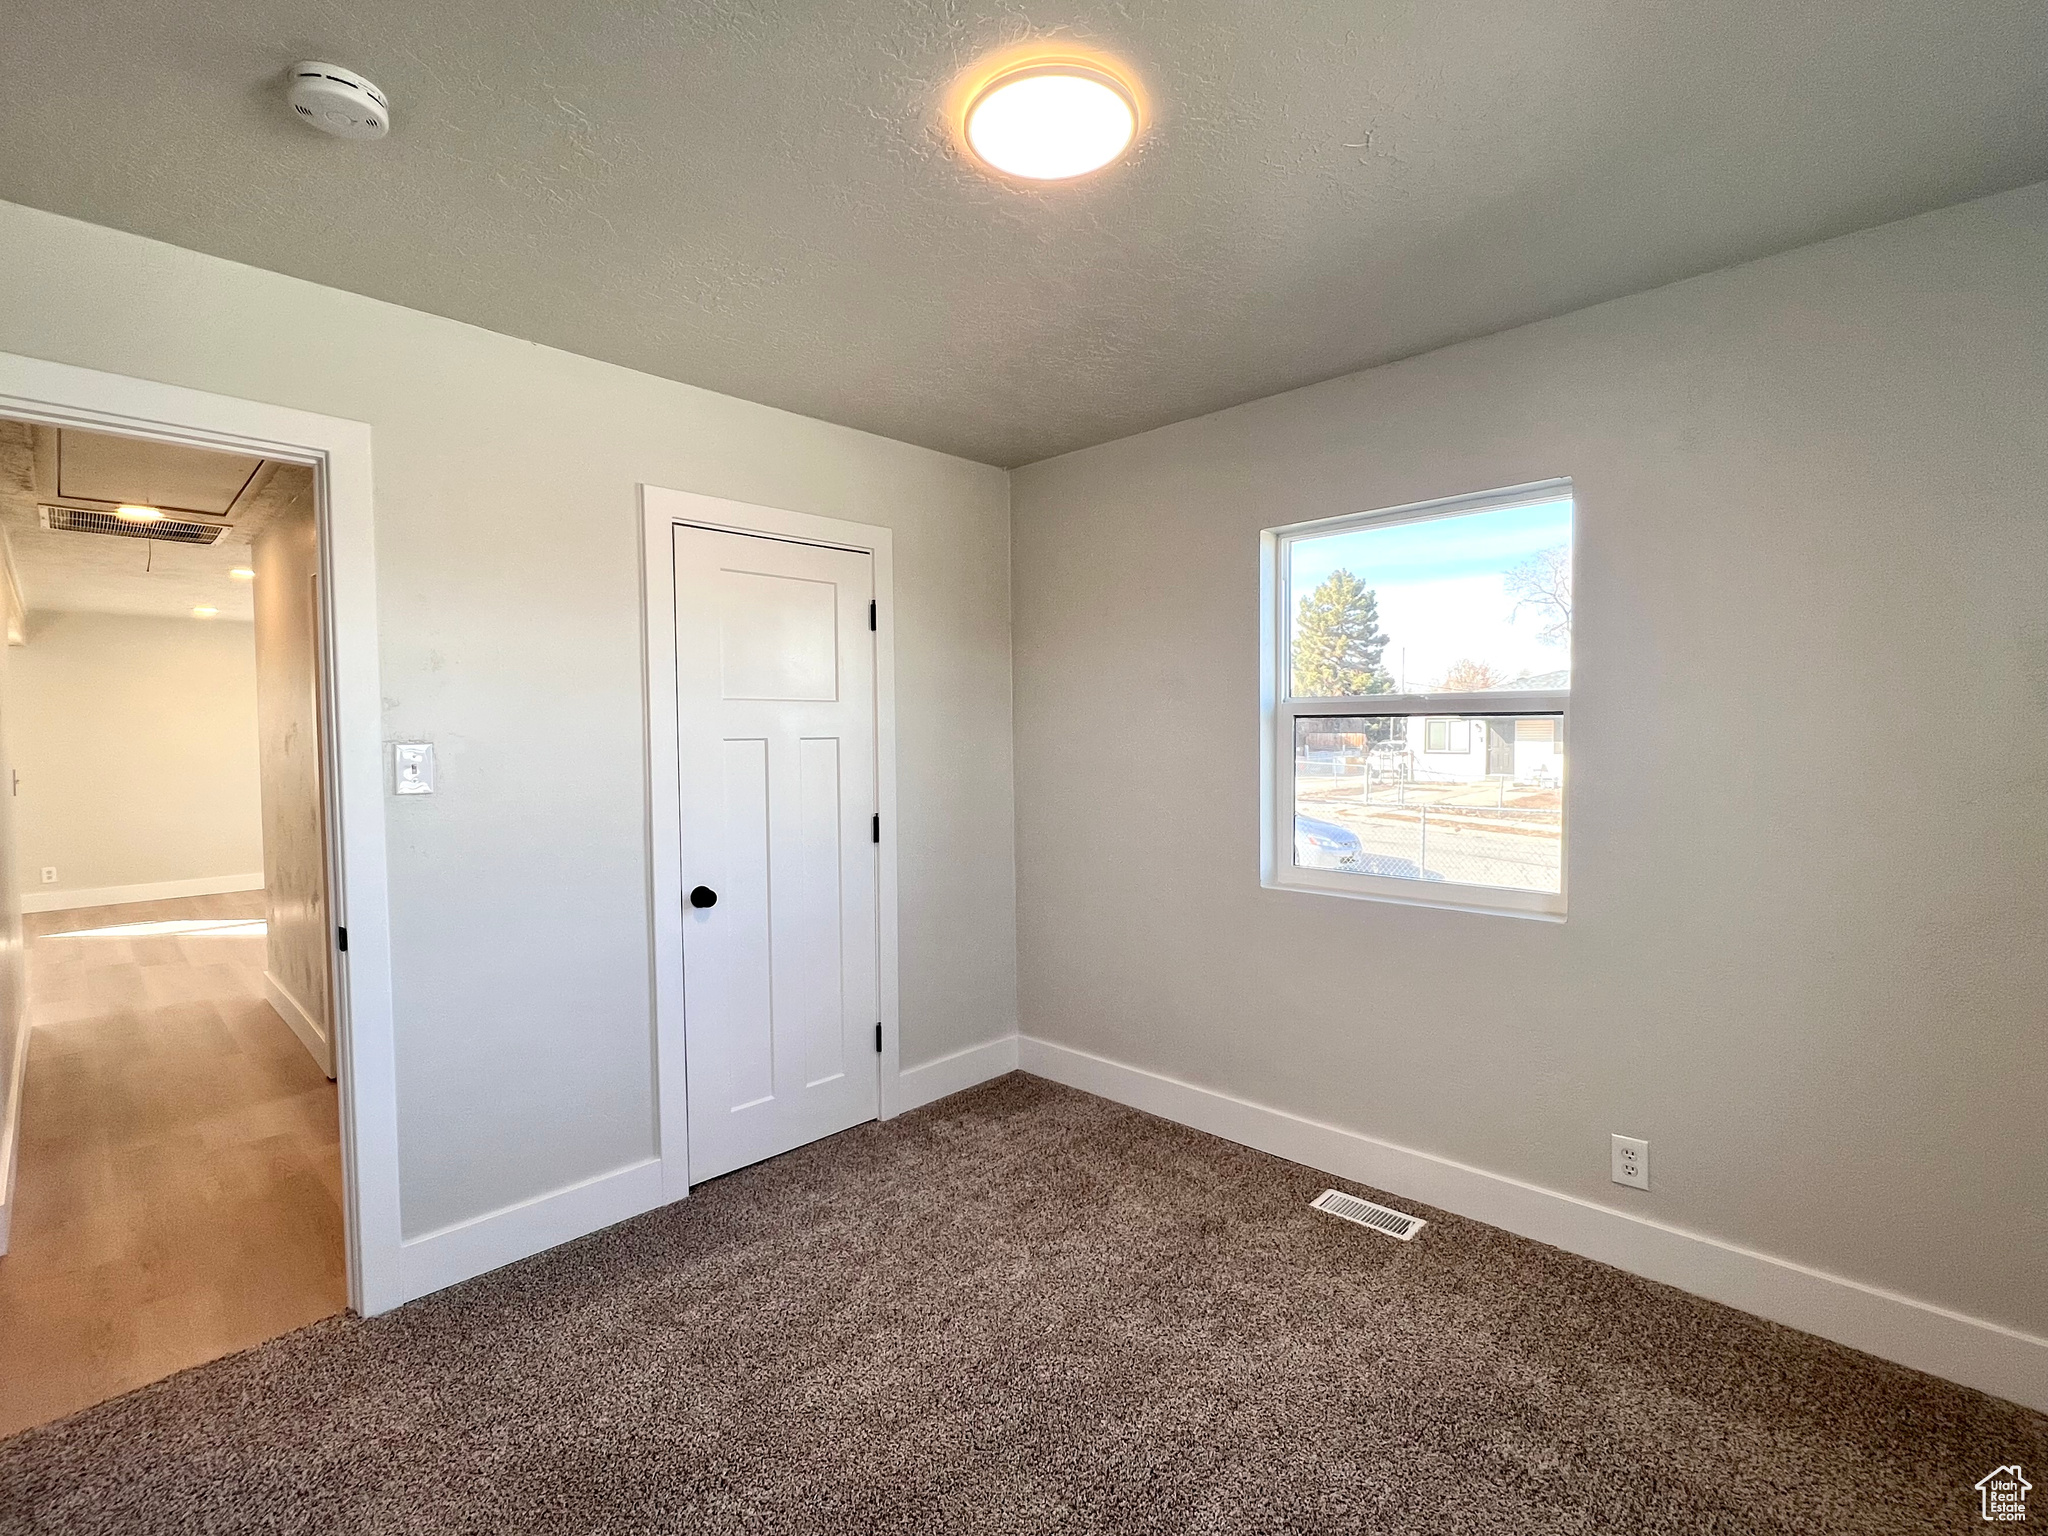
(703, 896)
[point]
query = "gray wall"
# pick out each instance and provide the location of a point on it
(136, 741)
(286, 560)
(509, 597)
(1807, 952)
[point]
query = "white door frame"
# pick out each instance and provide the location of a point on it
(661, 510)
(358, 895)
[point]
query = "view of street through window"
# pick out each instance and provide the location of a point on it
(1446, 607)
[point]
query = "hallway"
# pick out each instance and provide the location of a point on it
(179, 1194)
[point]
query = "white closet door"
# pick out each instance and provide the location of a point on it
(775, 700)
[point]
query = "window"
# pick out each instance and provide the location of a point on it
(1447, 736)
(1418, 680)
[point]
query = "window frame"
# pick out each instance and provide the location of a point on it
(1447, 750)
(1279, 710)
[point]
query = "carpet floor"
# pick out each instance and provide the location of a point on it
(1024, 1309)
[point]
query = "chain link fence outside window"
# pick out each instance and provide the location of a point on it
(1495, 830)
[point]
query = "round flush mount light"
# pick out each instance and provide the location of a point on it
(1050, 119)
(337, 101)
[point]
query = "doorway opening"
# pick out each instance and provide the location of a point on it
(177, 1165)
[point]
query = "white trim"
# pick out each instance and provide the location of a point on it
(300, 1021)
(1278, 710)
(1508, 701)
(10, 1128)
(436, 1260)
(34, 390)
(1988, 1356)
(1533, 493)
(1445, 895)
(933, 1080)
(661, 511)
(38, 900)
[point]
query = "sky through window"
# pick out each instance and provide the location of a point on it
(1444, 594)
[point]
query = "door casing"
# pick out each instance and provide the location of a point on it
(661, 511)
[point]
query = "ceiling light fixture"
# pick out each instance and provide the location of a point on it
(203, 612)
(1051, 119)
(138, 514)
(242, 573)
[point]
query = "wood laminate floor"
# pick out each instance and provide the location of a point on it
(179, 1193)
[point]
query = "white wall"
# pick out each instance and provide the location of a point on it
(136, 742)
(1807, 951)
(509, 589)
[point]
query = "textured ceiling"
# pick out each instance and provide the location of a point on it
(106, 573)
(759, 198)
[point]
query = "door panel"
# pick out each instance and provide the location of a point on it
(776, 759)
(738, 965)
(778, 636)
(820, 958)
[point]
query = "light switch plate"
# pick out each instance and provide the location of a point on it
(412, 768)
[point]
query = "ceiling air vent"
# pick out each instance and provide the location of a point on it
(1332, 1202)
(167, 529)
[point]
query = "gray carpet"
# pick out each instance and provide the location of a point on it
(1025, 1309)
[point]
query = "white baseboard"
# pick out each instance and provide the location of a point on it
(302, 1022)
(10, 1128)
(439, 1259)
(950, 1074)
(436, 1260)
(1985, 1355)
(41, 900)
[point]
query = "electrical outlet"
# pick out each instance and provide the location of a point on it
(49, 874)
(1631, 1161)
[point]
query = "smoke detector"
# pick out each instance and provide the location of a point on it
(337, 101)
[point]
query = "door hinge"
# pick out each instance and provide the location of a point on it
(878, 826)
(341, 939)
(878, 1039)
(871, 613)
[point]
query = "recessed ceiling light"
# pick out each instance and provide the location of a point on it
(242, 573)
(138, 514)
(1051, 119)
(203, 612)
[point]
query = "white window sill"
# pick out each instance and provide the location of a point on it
(1488, 901)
